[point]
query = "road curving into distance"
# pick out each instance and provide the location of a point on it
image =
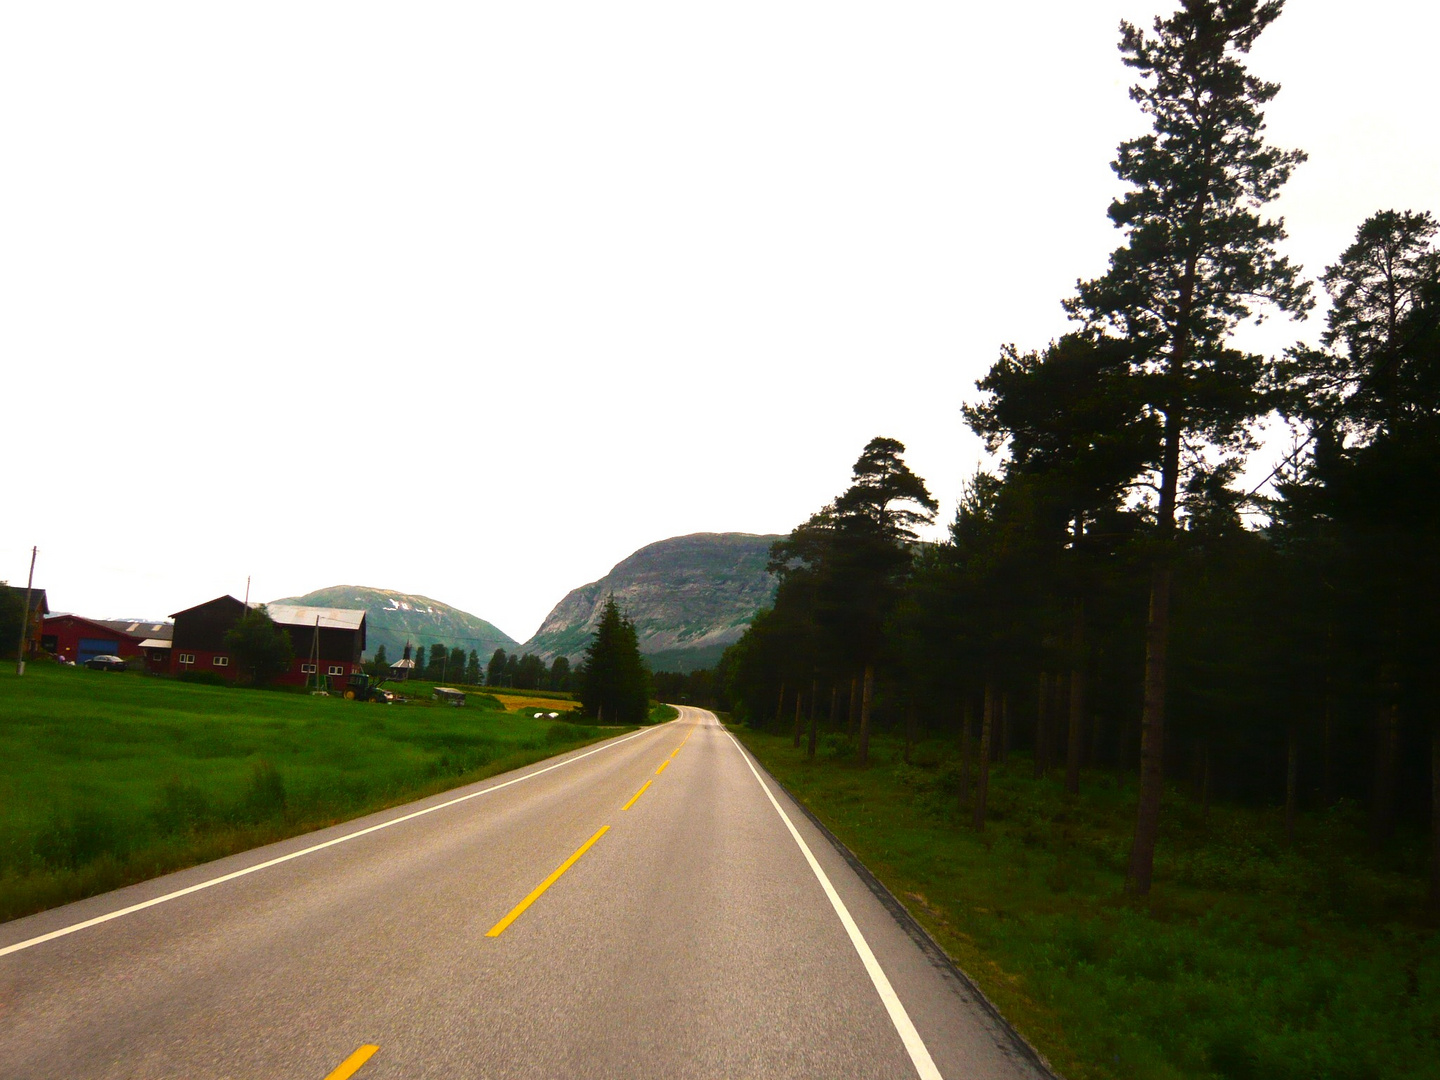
(651, 906)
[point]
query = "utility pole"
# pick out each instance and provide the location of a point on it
(25, 616)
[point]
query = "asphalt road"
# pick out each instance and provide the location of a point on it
(709, 929)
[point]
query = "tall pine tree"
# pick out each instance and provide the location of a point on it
(1197, 257)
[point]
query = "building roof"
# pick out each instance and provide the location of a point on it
(139, 627)
(329, 618)
(218, 601)
(120, 627)
(408, 665)
(37, 597)
(156, 643)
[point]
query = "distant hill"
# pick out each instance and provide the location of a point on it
(689, 596)
(392, 618)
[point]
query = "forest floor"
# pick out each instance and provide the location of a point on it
(1250, 958)
(111, 778)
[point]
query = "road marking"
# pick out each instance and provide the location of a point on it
(683, 741)
(662, 766)
(914, 1045)
(636, 795)
(64, 930)
(538, 891)
(351, 1065)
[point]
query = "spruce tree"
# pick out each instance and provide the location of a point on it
(616, 685)
(495, 673)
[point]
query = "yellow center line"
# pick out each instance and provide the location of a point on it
(662, 766)
(519, 909)
(351, 1065)
(682, 743)
(636, 795)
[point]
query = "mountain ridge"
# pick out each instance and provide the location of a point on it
(393, 617)
(689, 597)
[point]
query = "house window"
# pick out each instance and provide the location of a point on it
(221, 661)
(336, 669)
(307, 669)
(187, 658)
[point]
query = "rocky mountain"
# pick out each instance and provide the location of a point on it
(392, 618)
(689, 596)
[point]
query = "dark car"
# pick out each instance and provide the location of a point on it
(105, 663)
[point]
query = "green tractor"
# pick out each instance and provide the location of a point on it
(362, 687)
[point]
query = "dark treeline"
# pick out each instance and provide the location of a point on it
(1111, 597)
(453, 664)
(529, 672)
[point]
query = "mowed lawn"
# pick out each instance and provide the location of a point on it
(109, 778)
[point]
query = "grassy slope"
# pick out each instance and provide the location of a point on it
(106, 779)
(1251, 960)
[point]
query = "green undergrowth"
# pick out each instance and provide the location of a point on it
(1251, 959)
(107, 779)
(661, 713)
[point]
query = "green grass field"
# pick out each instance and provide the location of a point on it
(107, 779)
(1251, 959)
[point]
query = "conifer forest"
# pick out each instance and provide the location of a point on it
(1111, 598)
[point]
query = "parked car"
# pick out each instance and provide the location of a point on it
(105, 663)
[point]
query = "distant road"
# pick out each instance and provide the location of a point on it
(705, 928)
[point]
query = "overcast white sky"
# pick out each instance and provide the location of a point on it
(474, 299)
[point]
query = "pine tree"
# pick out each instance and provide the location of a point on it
(1197, 256)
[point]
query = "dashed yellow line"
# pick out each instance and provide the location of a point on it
(636, 795)
(351, 1065)
(682, 743)
(519, 909)
(662, 766)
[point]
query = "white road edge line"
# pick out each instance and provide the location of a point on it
(65, 930)
(914, 1045)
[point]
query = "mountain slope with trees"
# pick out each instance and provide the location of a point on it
(689, 597)
(393, 618)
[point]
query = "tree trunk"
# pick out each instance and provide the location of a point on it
(798, 699)
(810, 742)
(1097, 730)
(1292, 775)
(1205, 783)
(854, 713)
(982, 782)
(1004, 727)
(1382, 794)
(1042, 726)
(909, 730)
(867, 695)
(1435, 812)
(1327, 749)
(834, 699)
(780, 709)
(1073, 744)
(1152, 734)
(965, 719)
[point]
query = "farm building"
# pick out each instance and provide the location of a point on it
(404, 668)
(78, 639)
(339, 634)
(39, 608)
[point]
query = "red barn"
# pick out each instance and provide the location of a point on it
(339, 634)
(77, 639)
